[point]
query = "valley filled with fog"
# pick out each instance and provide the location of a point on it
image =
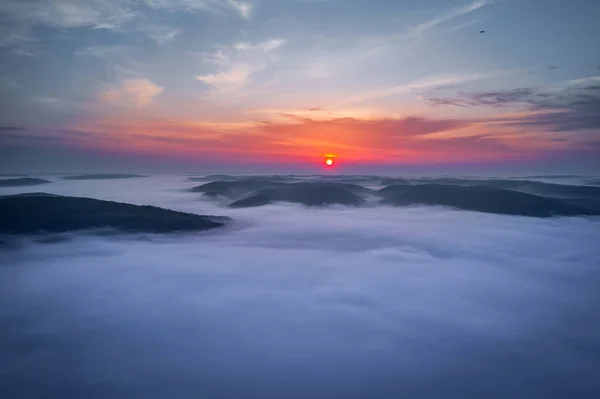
(378, 298)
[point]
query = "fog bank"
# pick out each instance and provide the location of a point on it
(300, 302)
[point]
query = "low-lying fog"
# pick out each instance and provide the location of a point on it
(295, 302)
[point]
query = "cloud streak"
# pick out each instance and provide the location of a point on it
(105, 14)
(454, 13)
(564, 110)
(236, 63)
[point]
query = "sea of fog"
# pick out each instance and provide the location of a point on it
(296, 302)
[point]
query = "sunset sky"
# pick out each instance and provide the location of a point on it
(275, 85)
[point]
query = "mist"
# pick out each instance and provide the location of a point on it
(291, 301)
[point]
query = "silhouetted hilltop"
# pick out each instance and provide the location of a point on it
(309, 194)
(22, 181)
(46, 213)
(593, 182)
(551, 177)
(481, 199)
(503, 196)
(236, 189)
(252, 201)
(388, 181)
(547, 189)
(526, 186)
(101, 177)
(213, 177)
(314, 194)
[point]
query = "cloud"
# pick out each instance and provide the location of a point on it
(236, 63)
(48, 101)
(242, 7)
(105, 14)
(101, 51)
(23, 53)
(69, 13)
(135, 92)
(448, 16)
(433, 82)
(160, 34)
(235, 77)
(5, 81)
(295, 302)
(299, 138)
(567, 109)
(585, 81)
(19, 135)
(264, 46)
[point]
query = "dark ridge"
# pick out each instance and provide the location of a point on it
(593, 182)
(314, 194)
(236, 189)
(252, 201)
(354, 178)
(448, 181)
(388, 181)
(481, 199)
(591, 203)
(230, 178)
(526, 186)
(211, 194)
(548, 189)
(196, 179)
(30, 195)
(22, 181)
(552, 177)
(102, 177)
(46, 213)
(354, 188)
(213, 177)
(309, 194)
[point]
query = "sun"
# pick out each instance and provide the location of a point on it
(329, 161)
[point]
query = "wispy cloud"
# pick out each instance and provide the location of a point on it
(235, 76)
(236, 63)
(159, 33)
(69, 13)
(105, 14)
(9, 82)
(132, 92)
(265, 46)
(566, 110)
(48, 101)
(23, 53)
(454, 13)
(432, 82)
(242, 7)
(101, 51)
(584, 81)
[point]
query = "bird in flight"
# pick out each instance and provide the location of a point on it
(481, 31)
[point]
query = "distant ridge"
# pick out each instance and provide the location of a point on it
(499, 196)
(22, 181)
(101, 177)
(481, 199)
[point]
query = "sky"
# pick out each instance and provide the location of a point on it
(278, 85)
